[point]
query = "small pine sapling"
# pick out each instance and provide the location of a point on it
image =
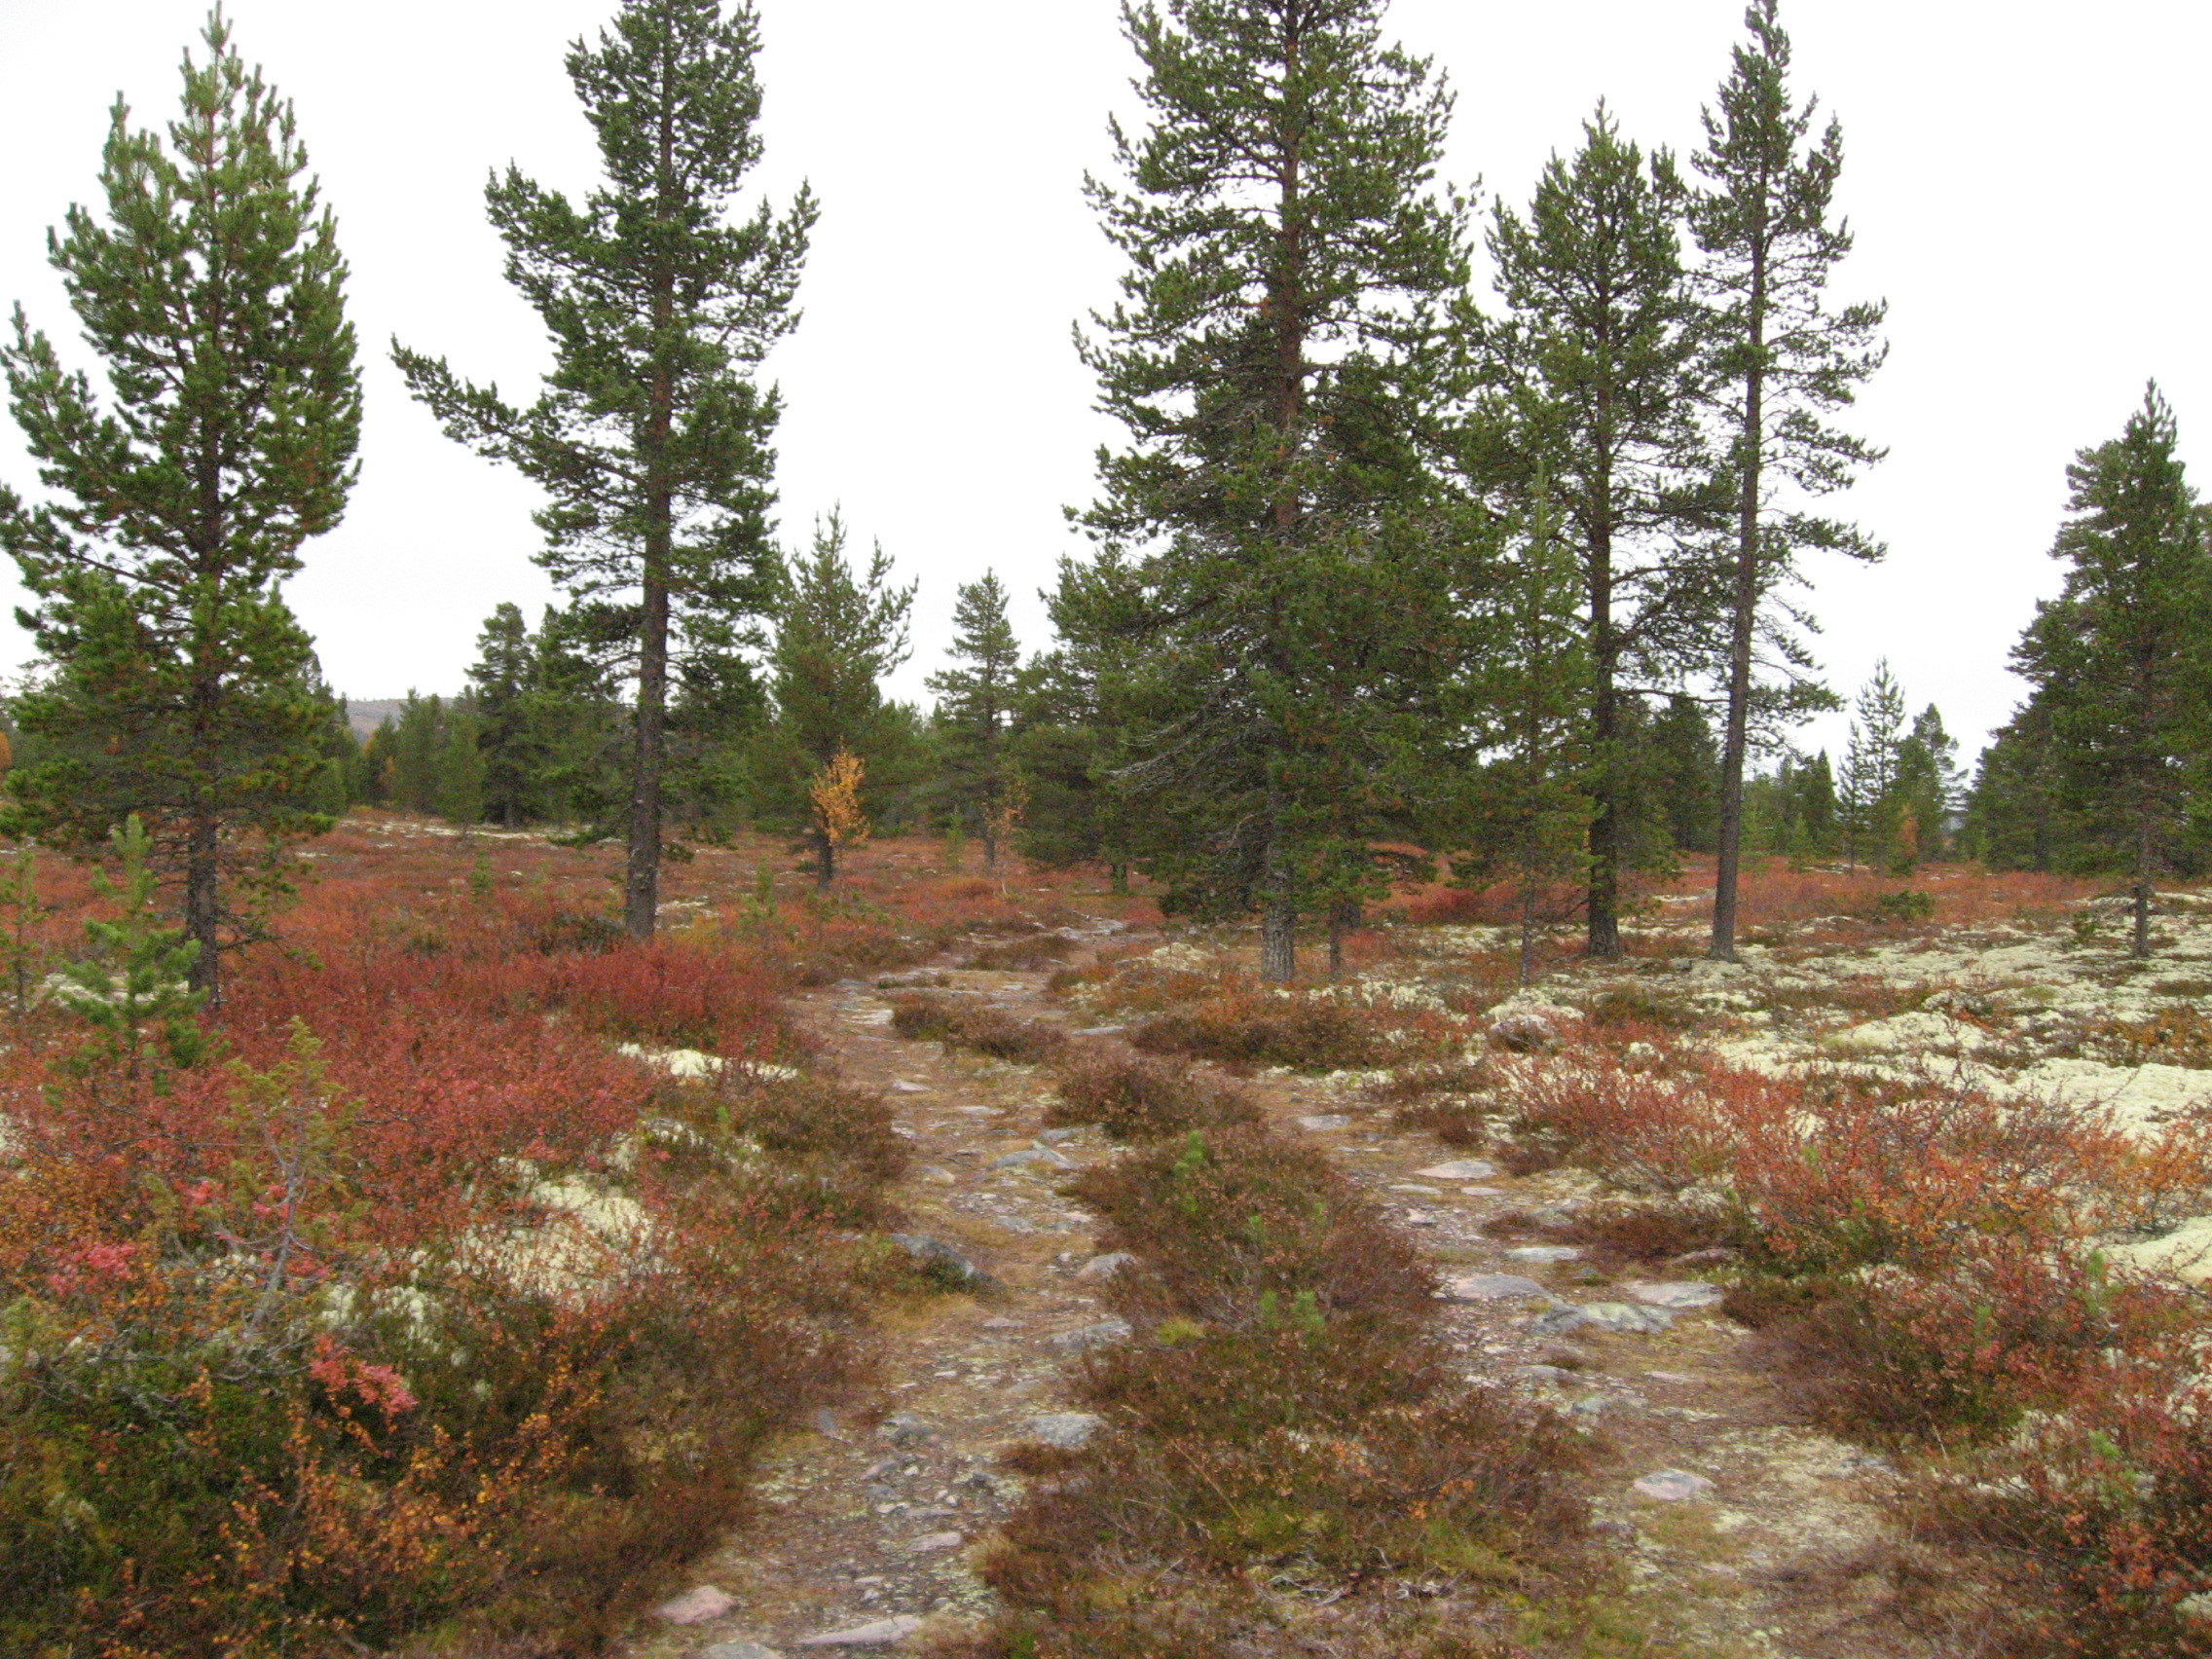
(135, 989)
(19, 944)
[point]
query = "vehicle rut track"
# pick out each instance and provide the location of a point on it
(869, 1522)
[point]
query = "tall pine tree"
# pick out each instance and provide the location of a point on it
(1782, 363)
(2117, 659)
(181, 688)
(1595, 382)
(977, 707)
(1276, 362)
(653, 436)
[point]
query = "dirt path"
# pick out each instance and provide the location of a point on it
(867, 1526)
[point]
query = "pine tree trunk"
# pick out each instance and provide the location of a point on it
(1604, 896)
(826, 859)
(1604, 937)
(1278, 909)
(1119, 877)
(2140, 946)
(203, 903)
(1751, 456)
(640, 897)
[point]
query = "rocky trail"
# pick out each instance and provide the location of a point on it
(1739, 1531)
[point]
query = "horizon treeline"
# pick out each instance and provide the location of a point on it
(1387, 576)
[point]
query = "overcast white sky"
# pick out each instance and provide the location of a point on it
(2027, 181)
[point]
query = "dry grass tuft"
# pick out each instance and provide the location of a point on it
(1134, 1098)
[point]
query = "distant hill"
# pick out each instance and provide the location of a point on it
(366, 714)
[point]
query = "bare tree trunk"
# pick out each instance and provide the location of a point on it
(1751, 456)
(1604, 897)
(826, 859)
(204, 902)
(1343, 916)
(2140, 947)
(640, 893)
(1279, 912)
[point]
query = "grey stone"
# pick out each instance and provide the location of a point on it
(899, 1085)
(1544, 1254)
(930, 1543)
(936, 1253)
(1101, 1031)
(1323, 1123)
(1673, 1486)
(1551, 1374)
(1032, 1155)
(1069, 1431)
(1678, 1294)
(1493, 1287)
(1524, 1033)
(825, 1424)
(1105, 1266)
(904, 1428)
(1088, 1337)
(1459, 1169)
(1622, 1319)
(739, 1650)
(883, 1633)
(1057, 1137)
(942, 1176)
(696, 1607)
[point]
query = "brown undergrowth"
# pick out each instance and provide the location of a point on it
(1924, 1265)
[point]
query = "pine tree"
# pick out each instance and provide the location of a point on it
(837, 637)
(1928, 790)
(976, 706)
(1277, 359)
(1596, 383)
(1782, 362)
(501, 681)
(2117, 659)
(1075, 726)
(1869, 783)
(653, 436)
(179, 685)
(1529, 698)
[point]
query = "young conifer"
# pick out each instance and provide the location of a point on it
(1782, 362)
(838, 634)
(652, 435)
(2117, 660)
(181, 687)
(1275, 360)
(976, 706)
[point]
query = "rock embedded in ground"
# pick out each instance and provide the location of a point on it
(1671, 1485)
(1324, 1122)
(1105, 1266)
(1493, 1287)
(1621, 1318)
(1066, 1431)
(739, 1650)
(695, 1606)
(1029, 1154)
(1459, 1169)
(1524, 1033)
(929, 1543)
(904, 1428)
(883, 1633)
(1678, 1294)
(1087, 1337)
(1544, 1253)
(936, 1253)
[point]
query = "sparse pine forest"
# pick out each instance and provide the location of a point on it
(1372, 1093)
